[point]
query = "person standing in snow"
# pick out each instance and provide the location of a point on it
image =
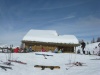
(56, 50)
(60, 51)
(99, 50)
(83, 46)
(43, 50)
(16, 50)
(30, 49)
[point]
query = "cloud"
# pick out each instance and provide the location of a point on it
(69, 17)
(85, 27)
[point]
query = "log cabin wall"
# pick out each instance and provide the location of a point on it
(37, 46)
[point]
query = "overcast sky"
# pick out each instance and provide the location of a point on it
(75, 17)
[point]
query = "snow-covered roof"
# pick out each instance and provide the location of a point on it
(49, 36)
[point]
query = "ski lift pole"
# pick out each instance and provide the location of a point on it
(10, 52)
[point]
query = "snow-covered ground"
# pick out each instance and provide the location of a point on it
(91, 67)
(93, 48)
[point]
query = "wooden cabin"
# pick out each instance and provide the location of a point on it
(49, 40)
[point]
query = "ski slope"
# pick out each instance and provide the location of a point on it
(91, 67)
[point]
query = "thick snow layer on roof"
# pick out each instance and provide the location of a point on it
(38, 33)
(49, 36)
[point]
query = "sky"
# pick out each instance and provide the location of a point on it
(68, 17)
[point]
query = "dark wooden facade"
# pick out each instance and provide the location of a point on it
(37, 46)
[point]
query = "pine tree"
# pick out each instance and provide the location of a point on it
(98, 39)
(93, 40)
